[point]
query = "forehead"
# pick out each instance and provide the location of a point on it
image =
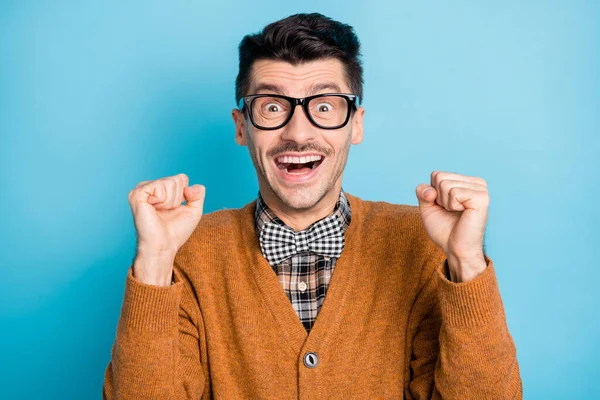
(301, 79)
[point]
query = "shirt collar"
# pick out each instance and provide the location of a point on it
(264, 214)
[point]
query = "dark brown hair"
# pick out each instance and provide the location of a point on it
(299, 38)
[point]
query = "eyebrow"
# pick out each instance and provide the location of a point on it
(267, 87)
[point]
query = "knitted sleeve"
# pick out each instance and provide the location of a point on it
(462, 348)
(156, 352)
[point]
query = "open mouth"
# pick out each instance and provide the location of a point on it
(298, 165)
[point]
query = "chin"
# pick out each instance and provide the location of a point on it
(300, 198)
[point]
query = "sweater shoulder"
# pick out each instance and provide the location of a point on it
(216, 230)
(402, 218)
(217, 225)
(392, 209)
(219, 218)
(393, 215)
(399, 228)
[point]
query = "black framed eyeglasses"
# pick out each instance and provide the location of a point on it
(273, 111)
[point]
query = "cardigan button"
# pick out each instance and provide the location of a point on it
(311, 359)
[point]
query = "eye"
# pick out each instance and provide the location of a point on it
(324, 107)
(273, 107)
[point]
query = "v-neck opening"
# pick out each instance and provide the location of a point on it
(279, 304)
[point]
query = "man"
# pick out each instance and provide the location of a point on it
(308, 291)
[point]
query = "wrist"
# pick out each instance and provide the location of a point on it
(151, 253)
(153, 271)
(466, 268)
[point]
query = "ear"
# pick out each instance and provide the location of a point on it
(240, 126)
(357, 126)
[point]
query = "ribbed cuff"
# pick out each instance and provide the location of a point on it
(472, 303)
(150, 308)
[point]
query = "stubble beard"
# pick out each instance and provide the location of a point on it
(301, 199)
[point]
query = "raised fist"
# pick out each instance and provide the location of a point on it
(163, 224)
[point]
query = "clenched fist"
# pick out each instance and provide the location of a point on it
(163, 224)
(454, 210)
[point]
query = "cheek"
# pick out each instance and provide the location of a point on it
(261, 148)
(341, 144)
(254, 150)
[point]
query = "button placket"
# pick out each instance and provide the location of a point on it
(302, 286)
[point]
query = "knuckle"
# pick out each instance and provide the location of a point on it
(169, 183)
(175, 186)
(437, 177)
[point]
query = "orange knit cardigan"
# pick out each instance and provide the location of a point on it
(391, 326)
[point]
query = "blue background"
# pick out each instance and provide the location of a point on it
(96, 97)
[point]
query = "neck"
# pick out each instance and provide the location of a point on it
(300, 219)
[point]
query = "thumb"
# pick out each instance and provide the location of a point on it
(194, 195)
(426, 195)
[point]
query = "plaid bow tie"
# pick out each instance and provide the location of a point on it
(325, 237)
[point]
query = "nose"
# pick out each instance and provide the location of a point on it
(299, 129)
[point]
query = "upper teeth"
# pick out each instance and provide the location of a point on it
(298, 160)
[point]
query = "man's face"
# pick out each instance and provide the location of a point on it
(299, 185)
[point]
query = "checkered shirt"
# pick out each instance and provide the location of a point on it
(305, 275)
